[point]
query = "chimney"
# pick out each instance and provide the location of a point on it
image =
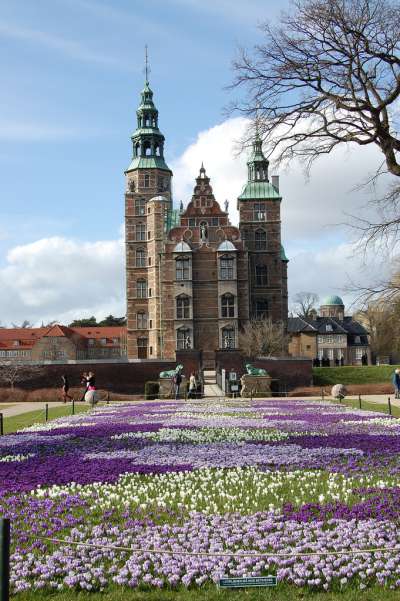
(275, 182)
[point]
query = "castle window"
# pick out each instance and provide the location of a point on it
(137, 149)
(182, 335)
(146, 181)
(140, 206)
(228, 338)
(140, 257)
(261, 275)
(142, 348)
(160, 183)
(259, 211)
(141, 289)
(226, 270)
(192, 222)
(228, 305)
(214, 221)
(140, 232)
(182, 307)
(261, 309)
(141, 320)
(182, 269)
(261, 240)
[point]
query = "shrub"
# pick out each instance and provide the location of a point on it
(151, 390)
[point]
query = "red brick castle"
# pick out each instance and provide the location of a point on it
(194, 279)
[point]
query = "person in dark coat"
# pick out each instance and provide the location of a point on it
(65, 389)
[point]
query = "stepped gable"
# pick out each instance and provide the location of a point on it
(203, 207)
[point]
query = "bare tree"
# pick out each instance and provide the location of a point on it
(304, 304)
(25, 324)
(382, 320)
(328, 74)
(12, 372)
(263, 338)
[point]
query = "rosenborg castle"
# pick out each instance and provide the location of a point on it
(194, 279)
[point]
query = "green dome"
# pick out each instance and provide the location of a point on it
(332, 300)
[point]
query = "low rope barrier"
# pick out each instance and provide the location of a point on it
(219, 553)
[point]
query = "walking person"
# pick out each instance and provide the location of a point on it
(91, 394)
(396, 383)
(84, 382)
(177, 380)
(65, 389)
(192, 386)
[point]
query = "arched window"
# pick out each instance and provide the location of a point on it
(146, 120)
(261, 309)
(226, 270)
(182, 268)
(141, 289)
(146, 181)
(228, 305)
(140, 206)
(228, 338)
(261, 240)
(140, 232)
(182, 339)
(141, 320)
(137, 149)
(140, 257)
(182, 307)
(261, 275)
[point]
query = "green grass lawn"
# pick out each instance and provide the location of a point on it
(363, 374)
(11, 424)
(5, 406)
(213, 593)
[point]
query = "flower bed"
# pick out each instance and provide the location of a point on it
(178, 494)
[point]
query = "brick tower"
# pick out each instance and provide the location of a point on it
(147, 204)
(260, 228)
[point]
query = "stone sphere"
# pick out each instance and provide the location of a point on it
(338, 391)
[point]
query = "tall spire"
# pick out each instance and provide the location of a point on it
(257, 164)
(147, 140)
(146, 64)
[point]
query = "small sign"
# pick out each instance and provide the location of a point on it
(248, 582)
(234, 387)
(232, 376)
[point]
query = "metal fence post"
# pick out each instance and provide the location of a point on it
(359, 401)
(1, 424)
(389, 406)
(108, 397)
(322, 393)
(4, 559)
(73, 406)
(47, 412)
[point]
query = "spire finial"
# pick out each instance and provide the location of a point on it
(146, 64)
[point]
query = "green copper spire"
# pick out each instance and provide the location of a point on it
(258, 186)
(147, 140)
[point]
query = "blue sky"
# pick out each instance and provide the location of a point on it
(71, 73)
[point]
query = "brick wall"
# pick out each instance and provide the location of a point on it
(290, 372)
(121, 378)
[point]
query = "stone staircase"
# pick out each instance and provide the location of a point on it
(211, 388)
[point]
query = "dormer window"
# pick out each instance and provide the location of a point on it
(16, 343)
(328, 327)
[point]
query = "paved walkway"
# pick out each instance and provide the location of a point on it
(20, 408)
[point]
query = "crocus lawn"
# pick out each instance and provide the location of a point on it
(164, 498)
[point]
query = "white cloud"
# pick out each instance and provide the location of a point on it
(56, 278)
(314, 212)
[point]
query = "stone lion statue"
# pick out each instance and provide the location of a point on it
(255, 371)
(338, 391)
(170, 373)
